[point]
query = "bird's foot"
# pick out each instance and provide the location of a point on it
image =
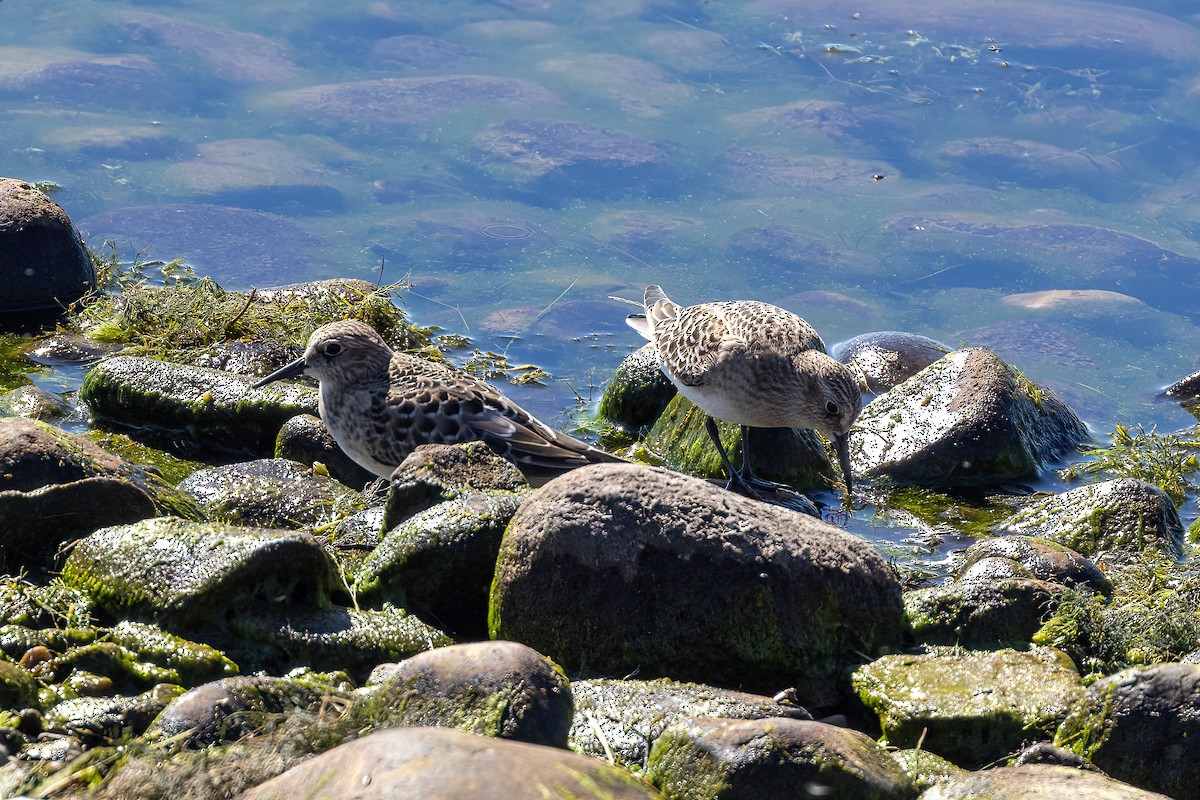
(779, 494)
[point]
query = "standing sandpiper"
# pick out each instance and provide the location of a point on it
(380, 404)
(755, 365)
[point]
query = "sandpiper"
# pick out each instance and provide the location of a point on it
(756, 365)
(380, 404)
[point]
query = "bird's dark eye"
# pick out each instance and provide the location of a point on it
(831, 408)
(332, 349)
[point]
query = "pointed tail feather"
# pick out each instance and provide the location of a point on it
(659, 309)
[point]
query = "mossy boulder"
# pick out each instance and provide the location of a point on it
(968, 419)
(100, 720)
(1032, 557)
(971, 707)
(1124, 515)
(1035, 782)
(798, 458)
(18, 688)
(1004, 612)
(434, 473)
(499, 689)
(612, 569)
(55, 486)
(925, 769)
(723, 759)
(305, 438)
(446, 763)
(621, 719)
(214, 409)
(638, 391)
(440, 563)
(1141, 725)
(271, 493)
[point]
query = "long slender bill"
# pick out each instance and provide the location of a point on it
(292, 370)
(842, 445)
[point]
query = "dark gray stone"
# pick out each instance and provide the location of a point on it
(304, 438)
(44, 266)
(885, 359)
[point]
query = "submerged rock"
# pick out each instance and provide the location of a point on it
(501, 689)
(44, 265)
(971, 707)
(617, 568)
(723, 758)
(1125, 515)
(622, 719)
(444, 764)
(215, 409)
(1141, 725)
(968, 419)
(55, 486)
(885, 359)
(33, 402)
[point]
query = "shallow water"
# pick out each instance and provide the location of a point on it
(924, 166)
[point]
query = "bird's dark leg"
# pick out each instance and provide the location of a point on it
(745, 482)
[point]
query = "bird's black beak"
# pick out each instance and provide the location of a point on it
(292, 370)
(842, 445)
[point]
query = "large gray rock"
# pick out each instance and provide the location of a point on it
(1004, 612)
(1035, 782)
(499, 689)
(445, 764)
(1124, 515)
(44, 265)
(728, 759)
(1142, 725)
(968, 419)
(623, 568)
(885, 359)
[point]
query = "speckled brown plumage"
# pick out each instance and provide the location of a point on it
(379, 405)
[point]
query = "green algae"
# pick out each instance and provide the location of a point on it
(171, 467)
(1166, 460)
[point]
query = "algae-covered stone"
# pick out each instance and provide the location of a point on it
(215, 409)
(18, 689)
(639, 390)
(972, 707)
(99, 720)
(1141, 725)
(616, 568)
(967, 419)
(796, 457)
(305, 438)
(621, 719)
(440, 562)
(434, 473)
(1035, 782)
(725, 759)
(1124, 515)
(33, 402)
(981, 613)
(271, 493)
(1036, 558)
(196, 574)
(446, 764)
(55, 486)
(500, 689)
(924, 769)
(885, 359)
(53, 605)
(165, 658)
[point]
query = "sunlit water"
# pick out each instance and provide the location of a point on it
(924, 166)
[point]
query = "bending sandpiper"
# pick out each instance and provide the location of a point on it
(755, 365)
(380, 404)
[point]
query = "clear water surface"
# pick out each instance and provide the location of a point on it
(934, 166)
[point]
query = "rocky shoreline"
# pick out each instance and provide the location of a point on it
(275, 623)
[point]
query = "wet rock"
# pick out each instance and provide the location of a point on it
(211, 52)
(1036, 558)
(638, 391)
(723, 758)
(414, 53)
(33, 402)
(392, 102)
(439, 563)
(52, 605)
(55, 486)
(305, 439)
(68, 348)
(1184, 390)
(1083, 300)
(567, 154)
(214, 409)
(982, 613)
(1032, 343)
(637, 87)
(444, 764)
(885, 359)
(1124, 515)
(1035, 782)
(270, 171)
(270, 493)
(188, 574)
(111, 80)
(797, 457)
(1141, 725)
(622, 719)
(43, 262)
(1047, 753)
(968, 419)
(100, 720)
(228, 709)
(18, 689)
(234, 246)
(434, 473)
(972, 708)
(160, 657)
(924, 769)
(501, 689)
(613, 568)
(1037, 164)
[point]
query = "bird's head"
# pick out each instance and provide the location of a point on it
(339, 352)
